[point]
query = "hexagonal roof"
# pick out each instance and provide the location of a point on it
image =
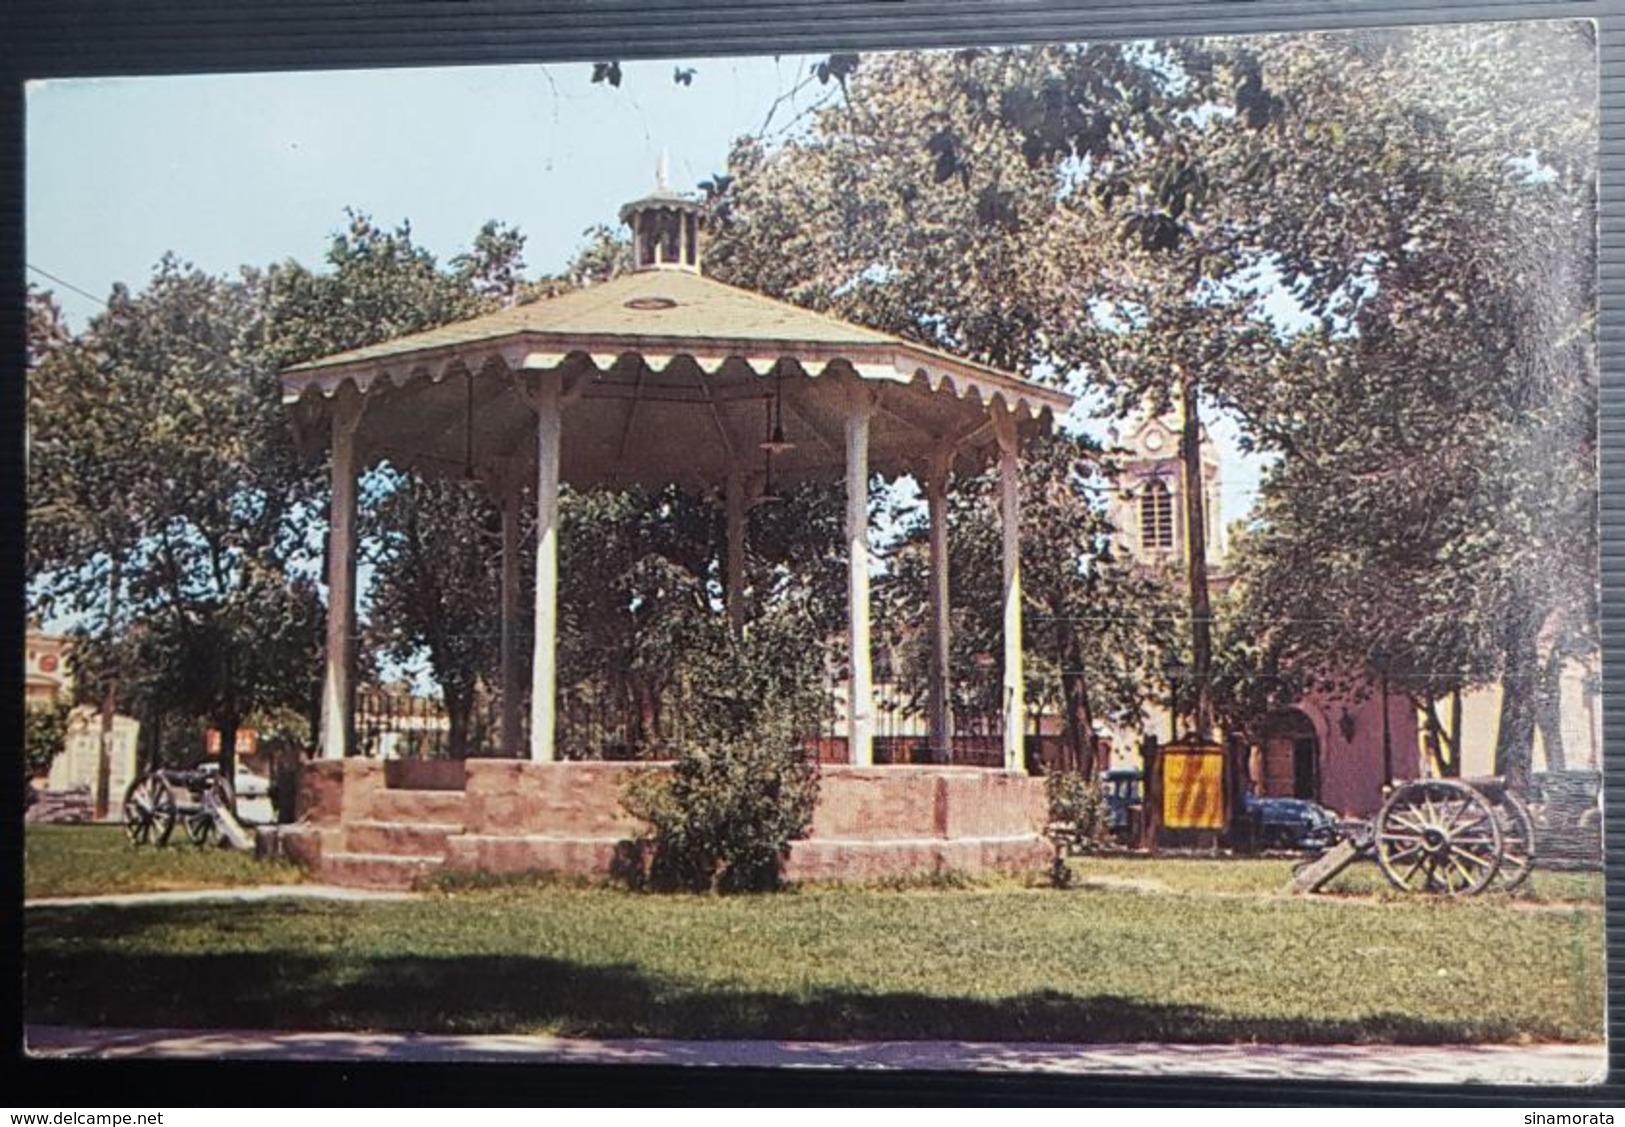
(664, 372)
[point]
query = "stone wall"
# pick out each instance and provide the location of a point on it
(560, 800)
(511, 816)
(890, 803)
(76, 804)
(426, 774)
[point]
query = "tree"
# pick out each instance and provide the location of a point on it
(47, 332)
(45, 735)
(1036, 209)
(166, 499)
(1343, 241)
(378, 285)
(1047, 210)
(430, 540)
(909, 208)
(494, 268)
(1097, 625)
(436, 547)
(1437, 421)
(641, 588)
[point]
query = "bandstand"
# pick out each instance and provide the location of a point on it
(659, 377)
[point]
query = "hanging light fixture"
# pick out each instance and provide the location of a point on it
(775, 442)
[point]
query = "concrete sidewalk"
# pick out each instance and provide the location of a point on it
(242, 895)
(1559, 1065)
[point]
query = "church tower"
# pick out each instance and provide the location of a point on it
(1148, 508)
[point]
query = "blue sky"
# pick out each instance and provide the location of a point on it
(227, 170)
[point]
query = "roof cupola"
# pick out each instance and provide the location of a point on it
(665, 228)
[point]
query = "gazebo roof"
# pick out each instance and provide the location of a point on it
(664, 381)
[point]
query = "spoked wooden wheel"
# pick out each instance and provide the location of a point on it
(1517, 841)
(200, 827)
(1438, 835)
(149, 811)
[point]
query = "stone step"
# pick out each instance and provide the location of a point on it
(376, 870)
(416, 807)
(400, 839)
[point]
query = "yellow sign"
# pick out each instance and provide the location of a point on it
(1193, 787)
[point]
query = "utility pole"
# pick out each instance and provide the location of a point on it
(1190, 453)
(104, 757)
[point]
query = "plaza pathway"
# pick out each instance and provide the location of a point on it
(1558, 1065)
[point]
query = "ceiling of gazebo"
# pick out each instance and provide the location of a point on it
(669, 377)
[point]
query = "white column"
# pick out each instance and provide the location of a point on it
(544, 668)
(510, 614)
(734, 595)
(1015, 705)
(860, 724)
(338, 690)
(936, 496)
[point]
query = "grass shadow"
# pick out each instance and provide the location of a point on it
(92, 984)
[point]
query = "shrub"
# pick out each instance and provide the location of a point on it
(45, 734)
(722, 819)
(743, 787)
(1075, 800)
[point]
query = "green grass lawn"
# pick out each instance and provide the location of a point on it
(1242, 876)
(1165, 950)
(87, 860)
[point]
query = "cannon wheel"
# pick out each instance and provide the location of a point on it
(1517, 841)
(200, 827)
(1438, 835)
(149, 811)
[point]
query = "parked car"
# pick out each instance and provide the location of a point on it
(1123, 790)
(244, 783)
(1278, 823)
(253, 791)
(1291, 823)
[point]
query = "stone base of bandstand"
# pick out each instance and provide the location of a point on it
(388, 824)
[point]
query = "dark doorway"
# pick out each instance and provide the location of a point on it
(1288, 765)
(1304, 762)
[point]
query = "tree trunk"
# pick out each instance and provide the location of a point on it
(1515, 735)
(1190, 449)
(228, 753)
(104, 759)
(459, 712)
(1151, 790)
(657, 718)
(1435, 738)
(228, 727)
(151, 743)
(313, 718)
(642, 694)
(1549, 712)
(1445, 747)
(1077, 717)
(1455, 730)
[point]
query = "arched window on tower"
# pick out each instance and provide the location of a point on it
(1156, 516)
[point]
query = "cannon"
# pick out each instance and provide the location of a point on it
(199, 800)
(1452, 837)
